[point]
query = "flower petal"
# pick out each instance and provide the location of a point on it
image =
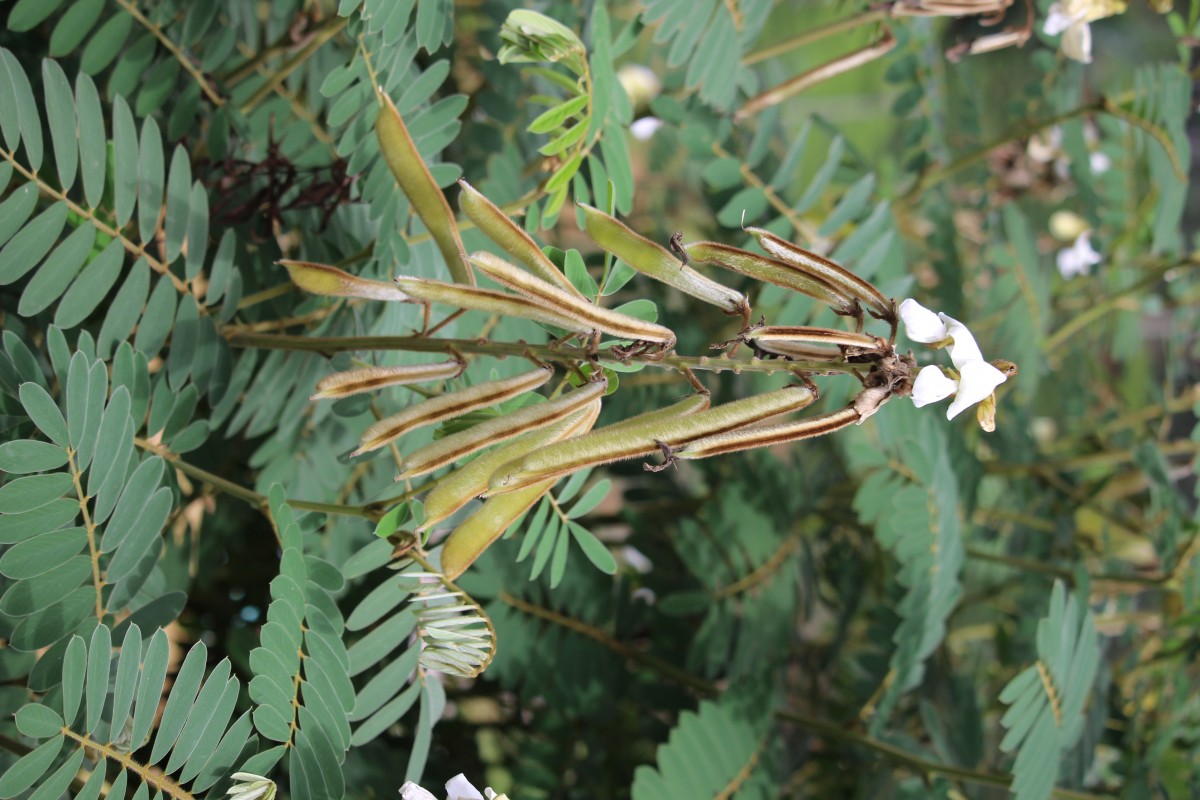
(1077, 43)
(921, 324)
(1079, 258)
(411, 791)
(1057, 20)
(459, 788)
(931, 386)
(978, 380)
(964, 350)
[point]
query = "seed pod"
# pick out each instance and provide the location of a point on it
(460, 445)
(418, 185)
(601, 319)
(515, 241)
(471, 480)
(477, 532)
(367, 379)
(734, 441)
(800, 352)
(771, 334)
(448, 406)
(333, 282)
(656, 261)
(476, 299)
(840, 278)
(637, 439)
(771, 271)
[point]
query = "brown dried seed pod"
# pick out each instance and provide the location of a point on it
(771, 334)
(475, 299)
(515, 241)
(733, 441)
(451, 448)
(601, 319)
(772, 271)
(448, 406)
(367, 379)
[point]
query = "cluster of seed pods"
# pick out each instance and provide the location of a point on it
(535, 446)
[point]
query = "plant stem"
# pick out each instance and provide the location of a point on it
(546, 352)
(816, 34)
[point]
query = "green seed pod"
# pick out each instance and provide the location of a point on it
(771, 271)
(471, 480)
(656, 261)
(460, 445)
(734, 441)
(601, 319)
(515, 241)
(638, 439)
(448, 406)
(416, 182)
(475, 299)
(818, 266)
(468, 541)
(333, 282)
(772, 334)
(368, 379)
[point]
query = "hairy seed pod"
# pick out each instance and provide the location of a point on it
(819, 266)
(635, 439)
(368, 379)
(418, 185)
(451, 448)
(656, 261)
(473, 298)
(333, 282)
(471, 480)
(448, 406)
(601, 319)
(468, 541)
(771, 334)
(800, 352)
(771, 271)
(515, 241)
(734, 441)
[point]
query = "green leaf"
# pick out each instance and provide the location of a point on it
(137, 540)
(25, 107)
(58, 782)
(74, 26)
(180, 701)
(126, 678)
(31, 596)
(44, 412)
(558, 562)
(833, 159)
(91, 287)
(851, 205)
(567, 139)
(27, 248)
(594, 549)
(553, 118)
(122, 315)
(93, 150)
(113, 442)
(38, 721)
(52, 516)
(16, 209)
(154, 670)
(40, 554)
(35, 491)
(179, 185)
(28, 14)
(96, 687)
(24, 456)
(590, 499)
(105, 45)
(60, 118)
(29, 768)
(74, 671)
(150, 179)
(197, 230)
(57, 271)
(125, 160)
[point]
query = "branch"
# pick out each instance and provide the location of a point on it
(174, 49)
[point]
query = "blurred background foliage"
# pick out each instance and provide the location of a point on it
(910, 608)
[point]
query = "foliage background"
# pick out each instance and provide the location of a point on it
(836, 619)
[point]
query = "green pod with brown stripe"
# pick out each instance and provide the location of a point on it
(734, 441)
(772, 271)
(638, 438)
(369, 379)
(448, 406)
(471, 480)
(418, 185)
(655, 261)
(601, 319)
(333, 282)
(468, 541)
(515, 241)
(459, 445)
(840, 278)
(473, 298)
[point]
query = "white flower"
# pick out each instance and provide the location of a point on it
(248, 786)
(977, 379)
(1079, 258)
(459, 788)
(411, 791)
(1099, 162)
(1071, 18)
(645, 127)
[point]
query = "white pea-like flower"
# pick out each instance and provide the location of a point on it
(457, 788)
(1071, 18)
(1079, 258)
(977, 379)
